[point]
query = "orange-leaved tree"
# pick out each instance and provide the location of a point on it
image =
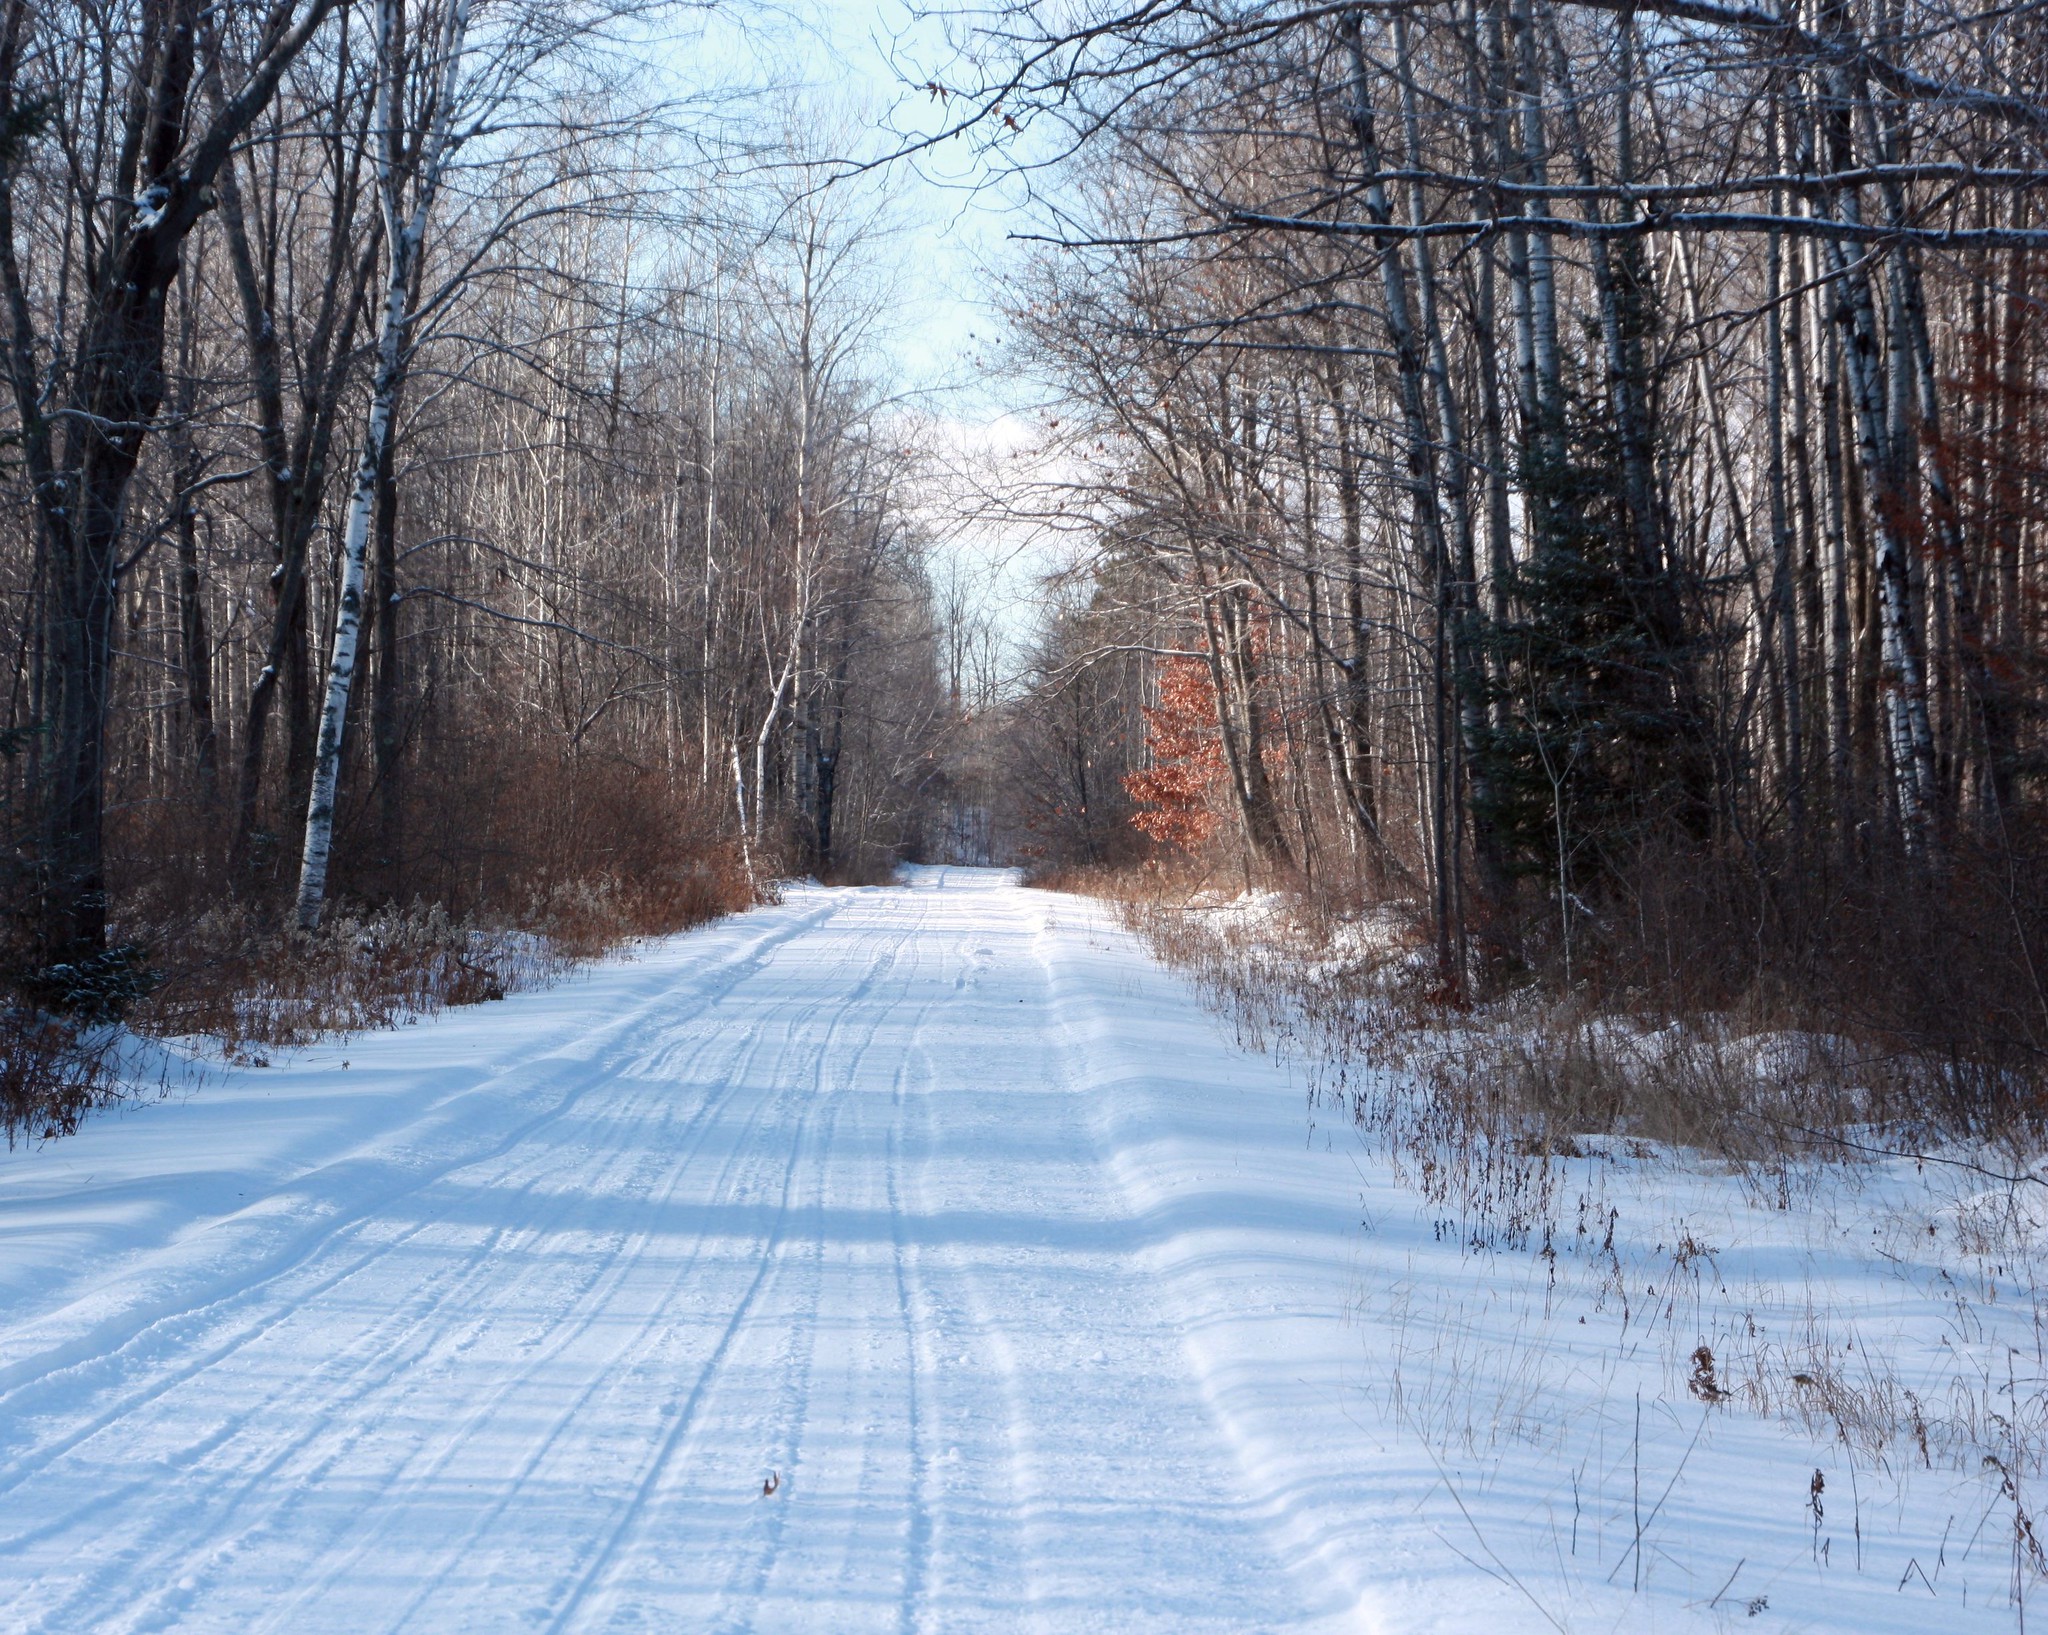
(1185, 756)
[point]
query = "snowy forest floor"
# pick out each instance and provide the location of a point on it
(946, 1216)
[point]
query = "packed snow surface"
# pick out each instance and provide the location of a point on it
(911, 1259)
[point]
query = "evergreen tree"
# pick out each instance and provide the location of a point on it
(1593, 744)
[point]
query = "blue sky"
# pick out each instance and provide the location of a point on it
(853, 61)
(952, 213)
(955, 220)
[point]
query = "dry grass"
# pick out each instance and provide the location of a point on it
(231, 976)
(236, 979)
(248, 987)
(1530, 1075)
(499, 862)
(53, 1072)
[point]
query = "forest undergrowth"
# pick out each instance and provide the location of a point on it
(234, 980)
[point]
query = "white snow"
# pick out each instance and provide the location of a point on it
(946, 1212)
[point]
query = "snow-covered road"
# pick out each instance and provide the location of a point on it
(948, 1214)
(506, 1322)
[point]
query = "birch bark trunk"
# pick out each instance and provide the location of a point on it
(404, 233)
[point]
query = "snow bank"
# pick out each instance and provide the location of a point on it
(1697, 1403)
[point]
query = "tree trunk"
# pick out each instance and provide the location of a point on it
(403, 233)
(387, 722)
(348, 613)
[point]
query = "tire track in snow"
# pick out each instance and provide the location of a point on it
(633, 1516)
(915, 1308)
(418, 1317)
(926, 1319)
(100, 1347)
(732, 1082)
(1027, 1492)
(774, 1264)
(752, 1569)
(745, 1152)
(609, 1273)
(797, 1401)
(1258, 1501)
(917, 1353)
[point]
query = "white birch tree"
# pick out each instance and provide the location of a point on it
(407, 187)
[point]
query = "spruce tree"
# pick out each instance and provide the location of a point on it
(1592, 744)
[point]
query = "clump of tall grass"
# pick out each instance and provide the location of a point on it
(53, 1071)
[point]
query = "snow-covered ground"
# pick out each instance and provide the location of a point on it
(944, 1213)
